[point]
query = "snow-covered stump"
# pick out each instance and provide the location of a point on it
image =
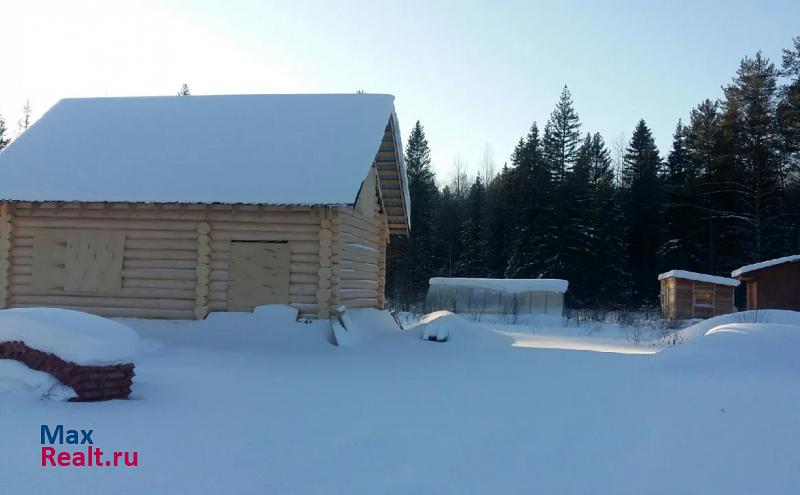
(91, 383)
(90, 354)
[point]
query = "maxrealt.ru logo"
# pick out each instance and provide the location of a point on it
(92, 456)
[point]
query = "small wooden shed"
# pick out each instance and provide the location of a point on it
(772, 284)
(687, 294)
(171, 207)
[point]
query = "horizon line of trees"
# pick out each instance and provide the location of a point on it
(726, 194)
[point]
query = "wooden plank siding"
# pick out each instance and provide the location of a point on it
(176, 261)
(681, 298)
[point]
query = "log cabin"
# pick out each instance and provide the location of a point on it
(772, 284)
(174, 207)
(686, 294)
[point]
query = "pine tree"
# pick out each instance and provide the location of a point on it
(642, 212)
(788, 114)
(753, 146)
(413, 260)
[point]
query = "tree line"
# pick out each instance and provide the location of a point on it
(726, 194)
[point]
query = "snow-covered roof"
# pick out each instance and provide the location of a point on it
(258, 149)
(699, 277)
(506, 284)
(764, 264)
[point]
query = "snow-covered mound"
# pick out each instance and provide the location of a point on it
(781, 316)
(18, 379)
(456, 329)
(746, 348)
(364, 324)
(73, 336)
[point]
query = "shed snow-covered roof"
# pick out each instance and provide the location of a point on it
(506, 284)
(258, 149)
(699, 277)
(764, 264)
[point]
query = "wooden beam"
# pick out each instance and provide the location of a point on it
(203, 270)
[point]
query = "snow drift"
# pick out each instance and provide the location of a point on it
(73, 336)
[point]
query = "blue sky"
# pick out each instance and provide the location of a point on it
(475, 73)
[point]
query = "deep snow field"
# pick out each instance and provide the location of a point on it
(254, 404)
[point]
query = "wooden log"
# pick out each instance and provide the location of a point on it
(158, 283)
(157, 263)
(103, 301)
(302, 289)
(276, 235)
(264, 226)
(135, 292)
(126, 312)
(6, 247)
(105, 223)
(129, 233)
(177, 244)
(203, 270)
(158, 274)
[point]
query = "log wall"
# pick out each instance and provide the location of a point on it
(177, 257)
(360, 252)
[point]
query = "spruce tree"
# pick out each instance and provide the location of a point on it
(562, 137)
(499, 222)
(606, 270)
(642, 212)
(678, 249)
(473, 259)
(532, 201)
(413, 259)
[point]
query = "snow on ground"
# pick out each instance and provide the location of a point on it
(541, 331)
(18, 380)
(243, 404)
(71, 335)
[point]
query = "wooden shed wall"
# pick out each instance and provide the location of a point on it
(177, 257)
(776, 287)
(682, 298)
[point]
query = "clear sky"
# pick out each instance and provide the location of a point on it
(475, 73)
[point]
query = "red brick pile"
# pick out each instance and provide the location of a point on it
(91, 383)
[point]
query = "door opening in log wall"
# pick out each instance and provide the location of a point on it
(259, 274)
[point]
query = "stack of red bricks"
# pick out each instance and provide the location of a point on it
(91, 383)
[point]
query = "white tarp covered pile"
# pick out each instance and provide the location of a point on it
(496, 296)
